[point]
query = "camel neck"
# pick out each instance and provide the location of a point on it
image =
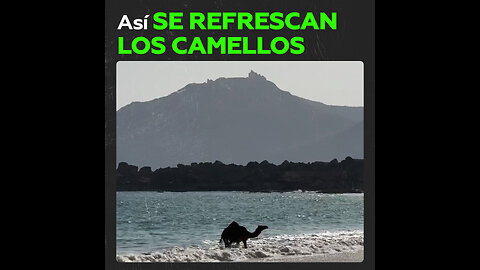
(254, 234)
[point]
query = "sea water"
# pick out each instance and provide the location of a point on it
(169, 226)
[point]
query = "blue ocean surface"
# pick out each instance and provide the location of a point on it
(155, 221)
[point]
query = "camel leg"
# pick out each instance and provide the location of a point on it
(245, 243)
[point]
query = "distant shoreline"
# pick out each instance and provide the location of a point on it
(322, 177)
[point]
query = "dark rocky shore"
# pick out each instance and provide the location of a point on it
(328, 177)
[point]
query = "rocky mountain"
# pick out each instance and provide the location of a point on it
(236, 120)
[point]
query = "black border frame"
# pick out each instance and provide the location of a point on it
(354, 40)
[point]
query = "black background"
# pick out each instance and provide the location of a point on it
(354, 40)
(61, 68)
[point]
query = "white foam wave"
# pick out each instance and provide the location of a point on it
(269, 247)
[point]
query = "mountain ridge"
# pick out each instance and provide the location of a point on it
(235, 119)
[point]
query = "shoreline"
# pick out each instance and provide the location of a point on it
(246, 191)
(343, 246)
(252, 177)
(339, 257)
(351, 257)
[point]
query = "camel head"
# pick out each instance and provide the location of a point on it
(261, 228)
(257, 231)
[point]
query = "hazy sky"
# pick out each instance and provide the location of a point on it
(330, 82)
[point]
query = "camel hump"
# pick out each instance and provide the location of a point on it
(233, 224)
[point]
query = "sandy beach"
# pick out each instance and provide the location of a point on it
(353, 257)
(336, 257)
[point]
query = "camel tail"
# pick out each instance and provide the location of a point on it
(221, 237)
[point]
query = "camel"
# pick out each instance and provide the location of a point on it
(235, 233)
